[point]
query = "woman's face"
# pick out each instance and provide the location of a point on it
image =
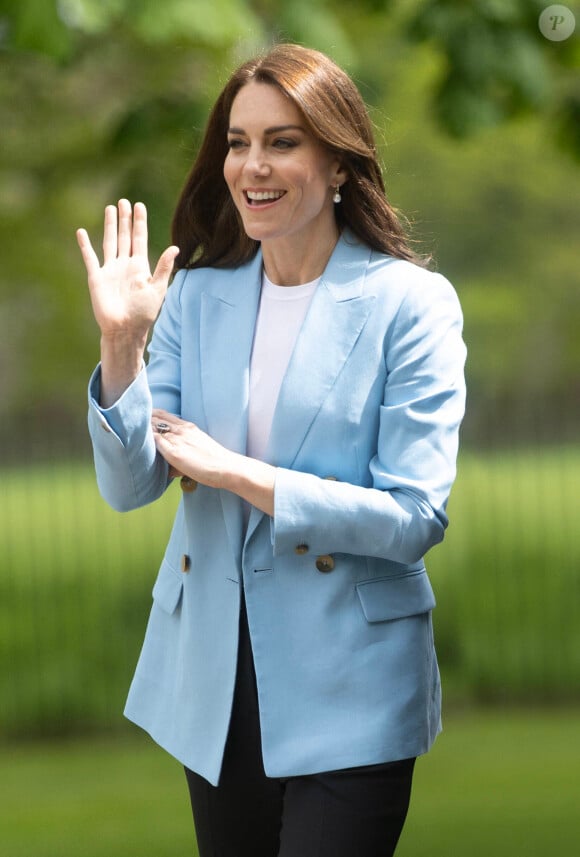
(280, 177)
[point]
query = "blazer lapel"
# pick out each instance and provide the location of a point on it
(335, 319)
(229, 307)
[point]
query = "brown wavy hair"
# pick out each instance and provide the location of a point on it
(206, 225)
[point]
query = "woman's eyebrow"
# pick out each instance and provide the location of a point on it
(274, 129)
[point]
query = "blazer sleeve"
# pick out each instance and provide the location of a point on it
(130, 472)
(402, 514)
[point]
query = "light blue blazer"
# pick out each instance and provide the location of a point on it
(364, 439)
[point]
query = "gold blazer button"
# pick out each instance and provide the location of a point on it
(187, 484)
(185, 563)
(301, 549)
(325, 563)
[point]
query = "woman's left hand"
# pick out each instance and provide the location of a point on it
(189, 451)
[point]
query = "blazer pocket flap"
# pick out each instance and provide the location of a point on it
(387, 598)
(168, 588)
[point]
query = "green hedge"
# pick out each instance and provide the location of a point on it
(74, 598)
(76, 582)
(506, 578)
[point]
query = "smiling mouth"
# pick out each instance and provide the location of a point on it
(256, 198)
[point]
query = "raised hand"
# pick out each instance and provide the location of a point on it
(125, 296)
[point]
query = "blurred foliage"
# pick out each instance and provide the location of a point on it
(477, 114)
(497, 66)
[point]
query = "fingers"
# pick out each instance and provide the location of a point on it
(125, 228)
(140, 236)
(89, 256)
(165, 264)
(110, 234)
(158, 415)
(163, 422)
(118, 230)
(125, 235)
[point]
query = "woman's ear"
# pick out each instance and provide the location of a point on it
(340, 175)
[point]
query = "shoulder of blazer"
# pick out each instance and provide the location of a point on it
(388, 272)
(223, 283)
(356, 270)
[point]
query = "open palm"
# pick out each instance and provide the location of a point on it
(125, 295)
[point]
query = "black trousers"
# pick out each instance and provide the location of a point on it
(356, 812)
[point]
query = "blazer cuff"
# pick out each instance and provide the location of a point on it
(126, 414)
(325, 517)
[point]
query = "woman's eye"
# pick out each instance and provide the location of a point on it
(283, 143)
(235, 144)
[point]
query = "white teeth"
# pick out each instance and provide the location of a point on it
(260, 196)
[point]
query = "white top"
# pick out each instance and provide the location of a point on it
(281, 313)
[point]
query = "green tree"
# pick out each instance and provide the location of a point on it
(499, 66)
(103, 98)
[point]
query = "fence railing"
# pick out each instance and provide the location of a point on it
(76, 580)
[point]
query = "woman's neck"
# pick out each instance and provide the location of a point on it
(290, 262)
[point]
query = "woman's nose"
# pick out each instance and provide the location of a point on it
(257, 161)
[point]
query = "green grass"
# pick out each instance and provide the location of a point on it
(93, 799)
(76, 582)
(501, 783)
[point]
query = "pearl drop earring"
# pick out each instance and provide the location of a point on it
(337, 197)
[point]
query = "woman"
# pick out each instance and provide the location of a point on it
(305, 382)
